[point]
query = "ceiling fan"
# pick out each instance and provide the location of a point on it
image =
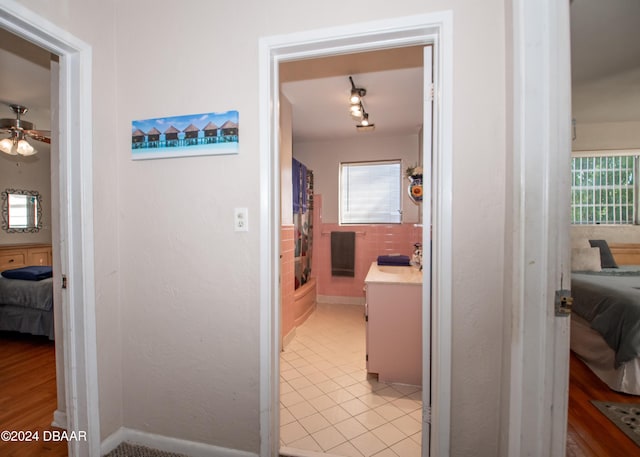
(19, 131)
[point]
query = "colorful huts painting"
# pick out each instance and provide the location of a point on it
(185, 136)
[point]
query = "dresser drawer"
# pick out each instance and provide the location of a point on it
(39, 256)
(12, 259)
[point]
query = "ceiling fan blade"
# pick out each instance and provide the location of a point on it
(40, 135)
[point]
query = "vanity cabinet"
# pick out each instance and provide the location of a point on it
(22, 255)
(394, 325)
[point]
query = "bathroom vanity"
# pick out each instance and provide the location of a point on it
(394, 323)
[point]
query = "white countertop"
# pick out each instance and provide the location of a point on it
(393, 275)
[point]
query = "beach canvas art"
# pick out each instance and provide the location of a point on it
(185, 136)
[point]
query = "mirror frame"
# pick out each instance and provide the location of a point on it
(5, 211)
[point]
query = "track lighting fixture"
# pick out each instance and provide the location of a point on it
(357, 107)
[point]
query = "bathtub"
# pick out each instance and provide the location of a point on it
(304, 301)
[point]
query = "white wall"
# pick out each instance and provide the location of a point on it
(176, 288)
(286, 165)
(324, 157)
(594, 136)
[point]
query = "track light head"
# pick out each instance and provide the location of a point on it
(356, 95)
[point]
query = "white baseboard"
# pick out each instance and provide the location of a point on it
(168, 444)
(59, 419)
(337, 300)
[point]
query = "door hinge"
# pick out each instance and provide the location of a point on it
(366, 358)
(64, 281)
(563, 302)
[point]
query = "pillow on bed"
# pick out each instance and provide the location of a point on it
(33, 273)
(606, 258)
(585, 259)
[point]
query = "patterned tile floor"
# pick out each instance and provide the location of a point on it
(328, 402)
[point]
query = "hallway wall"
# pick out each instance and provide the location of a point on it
(177, 296)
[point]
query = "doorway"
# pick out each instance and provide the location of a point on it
(417, 30)
(72, 119)
(329, 401)
(29, 75)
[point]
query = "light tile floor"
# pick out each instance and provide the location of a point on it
(328, 402)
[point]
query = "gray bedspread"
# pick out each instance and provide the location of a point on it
(610, 301)
(27, 294)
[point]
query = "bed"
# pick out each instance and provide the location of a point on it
(26, 301)
(605, 323)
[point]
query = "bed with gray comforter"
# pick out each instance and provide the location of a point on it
(27, 306)
(610, 301)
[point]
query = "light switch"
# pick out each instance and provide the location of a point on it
(241, 219)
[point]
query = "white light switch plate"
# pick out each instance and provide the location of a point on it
(241, 219)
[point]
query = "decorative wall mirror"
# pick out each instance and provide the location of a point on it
(21, 211)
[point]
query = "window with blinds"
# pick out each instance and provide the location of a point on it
(370, 192)
(604, 189)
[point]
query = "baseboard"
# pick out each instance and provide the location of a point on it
(288, 338)
(298, 322)
(292, 452)
(59, 419)
(168, 444)
(337, 300)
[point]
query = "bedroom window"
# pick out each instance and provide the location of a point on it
(604, 189)
(370, 192)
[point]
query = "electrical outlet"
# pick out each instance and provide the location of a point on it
(241, 219)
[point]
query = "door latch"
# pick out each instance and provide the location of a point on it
(64, 281)
(563, 302)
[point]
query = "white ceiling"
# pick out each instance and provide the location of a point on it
(605, 60)
(25, 79)
(319, 92)
(605, 71)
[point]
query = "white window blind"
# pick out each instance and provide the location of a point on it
(370, 192)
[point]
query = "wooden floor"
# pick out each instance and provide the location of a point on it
(590, 433)
(28, 400)
(28, 394)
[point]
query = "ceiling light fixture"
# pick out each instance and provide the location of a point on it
(19, 131)
(357, 107)
(16, 145)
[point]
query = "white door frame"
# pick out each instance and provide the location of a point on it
(433, 28)
(536, 374)
(76, 219)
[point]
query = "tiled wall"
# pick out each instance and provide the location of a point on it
(371, 241)
(287, 265)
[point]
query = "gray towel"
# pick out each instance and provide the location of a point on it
(343, 253)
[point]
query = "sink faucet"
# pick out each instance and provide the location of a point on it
(416, 259)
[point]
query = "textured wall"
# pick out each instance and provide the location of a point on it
(176, 288)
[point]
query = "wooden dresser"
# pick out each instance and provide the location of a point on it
(22, 255)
